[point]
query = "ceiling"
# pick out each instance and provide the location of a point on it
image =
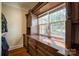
(27, 5)
(23, 5)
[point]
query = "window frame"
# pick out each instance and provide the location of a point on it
(60, 7)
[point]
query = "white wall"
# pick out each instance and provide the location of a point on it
(16, 25)
(0, 28)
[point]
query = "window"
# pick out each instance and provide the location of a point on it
(34, 25)
(57, 23)
(53, 23)
(43, 25)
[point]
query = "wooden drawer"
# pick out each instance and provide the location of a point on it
(40, 53)
(44, 51)
(48, 51)
(42, 45)
(52, 50)
(32, 41)
(32, 51)
(33, 46)
(47, 48)
(25, 41)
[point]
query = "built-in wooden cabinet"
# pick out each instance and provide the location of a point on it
(72, 26)
(46, 50)
(25, 42)
(32, 47)
(28, 30)
(36, 48)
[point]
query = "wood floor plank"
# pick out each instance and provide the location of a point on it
(19, 52)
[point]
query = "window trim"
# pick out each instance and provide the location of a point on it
(47, 13)
(53, 10)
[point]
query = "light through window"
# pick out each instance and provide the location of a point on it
(53, 23)
(57, 23)
(43, 25)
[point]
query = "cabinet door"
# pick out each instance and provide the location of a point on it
(69, 14)
(75, 36)
(32, 41)
(68, 34)
(75, 11)
(29, 18)
(32, 51)
(32, 47)
(25, 41)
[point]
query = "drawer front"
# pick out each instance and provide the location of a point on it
(25, 41)
(52, 50)
(42, 45)
(32, 41)
(40, 53)
(33, 46)
(48, 51)
(46, 48)
(32, 51)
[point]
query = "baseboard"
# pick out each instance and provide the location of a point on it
(15, 47)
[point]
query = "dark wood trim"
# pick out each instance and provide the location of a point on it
(68, 34)
(69, 27)
(50, 8)
(44, 6)
(71, 22)
(38, 6)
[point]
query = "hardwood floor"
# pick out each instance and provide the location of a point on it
(19, 52)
